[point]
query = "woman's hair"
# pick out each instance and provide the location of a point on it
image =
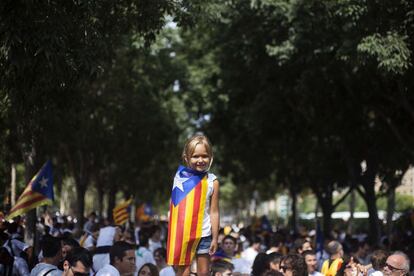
(153, 269)
(191, 144)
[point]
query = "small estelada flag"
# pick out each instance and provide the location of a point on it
(121, 212)
(38, 192)
(188, 200)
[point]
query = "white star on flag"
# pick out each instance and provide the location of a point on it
(43, 182)
(178, 182)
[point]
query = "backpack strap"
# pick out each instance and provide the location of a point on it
(49, 271)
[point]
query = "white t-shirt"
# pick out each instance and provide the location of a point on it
(167, 271)
(41, 268)
(108, 270)
(106, 236)
(315, 273)
(153, 245)
(206, 229)
(249, 255)
(241, 266)
(143, 256)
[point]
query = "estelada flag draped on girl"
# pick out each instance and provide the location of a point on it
(187, 205)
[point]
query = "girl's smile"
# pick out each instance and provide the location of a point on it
(199, 160)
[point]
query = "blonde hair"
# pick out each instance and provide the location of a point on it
(191, 144)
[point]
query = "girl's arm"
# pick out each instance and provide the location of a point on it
(214, 217)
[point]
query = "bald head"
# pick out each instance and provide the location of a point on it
(397, 264)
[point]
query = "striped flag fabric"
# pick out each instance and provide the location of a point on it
(121, 212)
(187, 206)
(38, 192)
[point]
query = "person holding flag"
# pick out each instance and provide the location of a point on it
(194, 210)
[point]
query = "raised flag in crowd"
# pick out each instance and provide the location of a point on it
(38, 192)
(121, 212)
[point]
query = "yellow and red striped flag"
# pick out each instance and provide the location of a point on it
(187, 205)
(121, 212)
(38, 192)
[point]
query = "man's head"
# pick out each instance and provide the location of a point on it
(222, 268)
(310, 260)
(77, 263)
(160, 255)
(293, 265)
(256, 242)
(335, 249)
(397, 264)
(52, 250)
(68, 245)
(228, 245)
(122, 257)
(301, 245)
(378, 259)
(363, 249)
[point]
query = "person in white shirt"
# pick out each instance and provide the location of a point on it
(241, 266)
(52, 254)
(143, 254)
(160, 255)
(250, 253)
(311, 262)
(155, 241)
(107, 236)
(122, 260)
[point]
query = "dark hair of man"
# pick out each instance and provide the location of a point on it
(274, 257)
(256, 239)
(50, 246)
(79, 254)
(153, 269)
(379, 258)
(162, 252)
(296, 263)
(271, 272)
(229, 237)
(118, 250)
(220, 267)
(144, 236)
(308, 252)
(297, 244)
(260, 264)
(276, 240)
(71, 242)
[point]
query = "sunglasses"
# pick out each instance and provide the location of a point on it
(284, 268)
(76, 273)
(392, 268)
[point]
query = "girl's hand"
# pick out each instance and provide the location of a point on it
(213, 247)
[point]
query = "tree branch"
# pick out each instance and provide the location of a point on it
(342, 198)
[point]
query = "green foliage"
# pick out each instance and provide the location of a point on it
(391, 51)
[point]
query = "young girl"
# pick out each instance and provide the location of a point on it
(194, 210)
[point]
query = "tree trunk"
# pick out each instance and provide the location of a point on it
(13, 185)
(390, 208)
(29, 172)
(351, 212)
(80, 200)
(111, 202)
(101, 195)
(294, 216)
(368, 182)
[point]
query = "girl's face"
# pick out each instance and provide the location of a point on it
(199, 160)
(145, 271)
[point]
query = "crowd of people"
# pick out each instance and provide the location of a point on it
(105, 249)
